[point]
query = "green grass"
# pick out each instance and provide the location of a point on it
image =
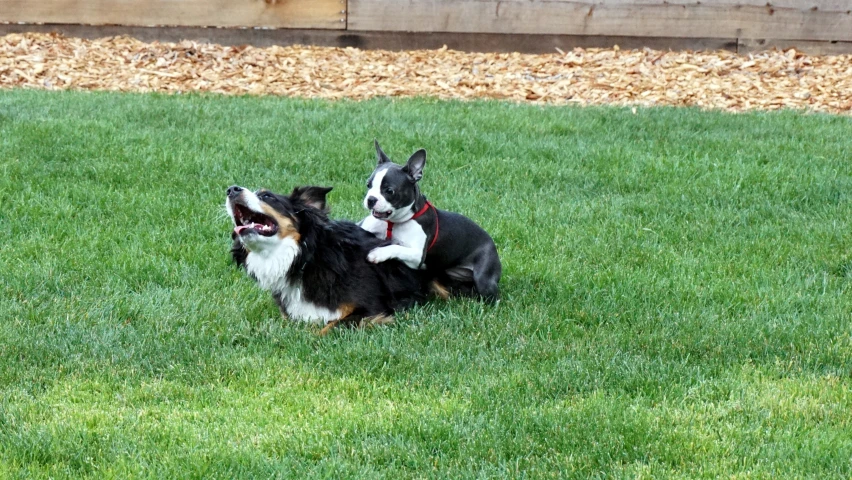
(676, 294)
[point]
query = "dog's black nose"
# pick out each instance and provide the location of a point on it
(234, 190)
(371, 202)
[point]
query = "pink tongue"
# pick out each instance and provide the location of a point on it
(239, 229)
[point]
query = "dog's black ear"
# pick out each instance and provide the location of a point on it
(312, 196)
(415, 164)
(380, 155)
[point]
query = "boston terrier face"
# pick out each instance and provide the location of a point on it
(392, 189)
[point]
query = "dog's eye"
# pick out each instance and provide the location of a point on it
(388, 191)
(369, 184)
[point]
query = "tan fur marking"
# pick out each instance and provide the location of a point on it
(346, 309)
(439, 290)
(376, 321)
(369, 322)
(328, 327)
(286, 227)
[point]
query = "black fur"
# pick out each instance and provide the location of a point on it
(464, 257)
(332, 267)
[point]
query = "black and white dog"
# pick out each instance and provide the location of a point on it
(451, 247)
(316, 268)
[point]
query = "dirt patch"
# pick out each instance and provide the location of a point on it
(718, 79)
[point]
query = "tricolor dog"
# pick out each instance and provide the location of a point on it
(317, 268)
(451, 247)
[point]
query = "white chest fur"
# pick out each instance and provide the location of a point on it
(408, 237)
(302, 310)
(270, 267)
(377, 227)
(408, 233)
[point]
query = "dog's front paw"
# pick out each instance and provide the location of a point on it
(378, 255)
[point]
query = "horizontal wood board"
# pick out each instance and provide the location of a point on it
(469, 42)
(780, 19)
(327, 14)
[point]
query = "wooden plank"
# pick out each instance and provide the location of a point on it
(793, 19)
(227, 13)
(468, 42)
(752, 45)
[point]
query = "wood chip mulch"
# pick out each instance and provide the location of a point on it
(719, 79)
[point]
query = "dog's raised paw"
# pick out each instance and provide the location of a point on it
(377, 255)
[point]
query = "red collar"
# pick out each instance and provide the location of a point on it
(423, 210)
(419, 213)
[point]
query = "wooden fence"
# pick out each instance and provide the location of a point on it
(813, 25)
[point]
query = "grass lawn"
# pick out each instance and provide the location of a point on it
(677, 293)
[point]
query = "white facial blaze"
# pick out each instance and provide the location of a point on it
(252, 202)
(382, 204)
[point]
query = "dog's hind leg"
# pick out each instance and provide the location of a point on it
(486, 275)
(439, 290)
(488, 289)
(376, 320)
(328, 327)
(356, 322)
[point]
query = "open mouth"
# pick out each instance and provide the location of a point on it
(381, 215)
(248, 221)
